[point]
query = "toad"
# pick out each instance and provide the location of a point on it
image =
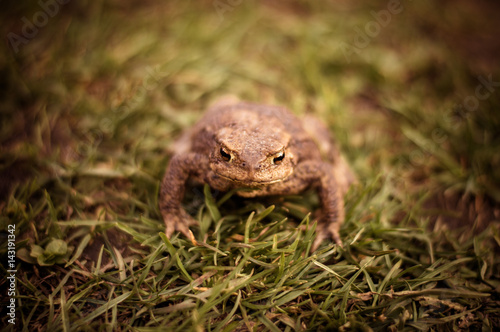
(265, 149)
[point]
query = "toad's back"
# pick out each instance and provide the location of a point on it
(259, 121)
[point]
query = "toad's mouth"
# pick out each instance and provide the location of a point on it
(252, 183)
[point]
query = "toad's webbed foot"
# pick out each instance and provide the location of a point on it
(178, 220)
(326, 231)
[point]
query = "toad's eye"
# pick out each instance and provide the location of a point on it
(226, 156)
(279, 158)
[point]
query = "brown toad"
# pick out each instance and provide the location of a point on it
(264, 148)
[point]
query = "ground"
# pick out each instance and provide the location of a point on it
(94, 94)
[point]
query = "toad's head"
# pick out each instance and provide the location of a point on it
(252, 154)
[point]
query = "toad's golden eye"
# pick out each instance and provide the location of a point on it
(226, 156)
(279, 158)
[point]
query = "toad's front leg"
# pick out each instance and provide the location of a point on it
(180, 168)
(320, 175)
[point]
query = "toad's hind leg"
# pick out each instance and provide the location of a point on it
(330, 151)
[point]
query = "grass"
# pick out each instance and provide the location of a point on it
(92, 104)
